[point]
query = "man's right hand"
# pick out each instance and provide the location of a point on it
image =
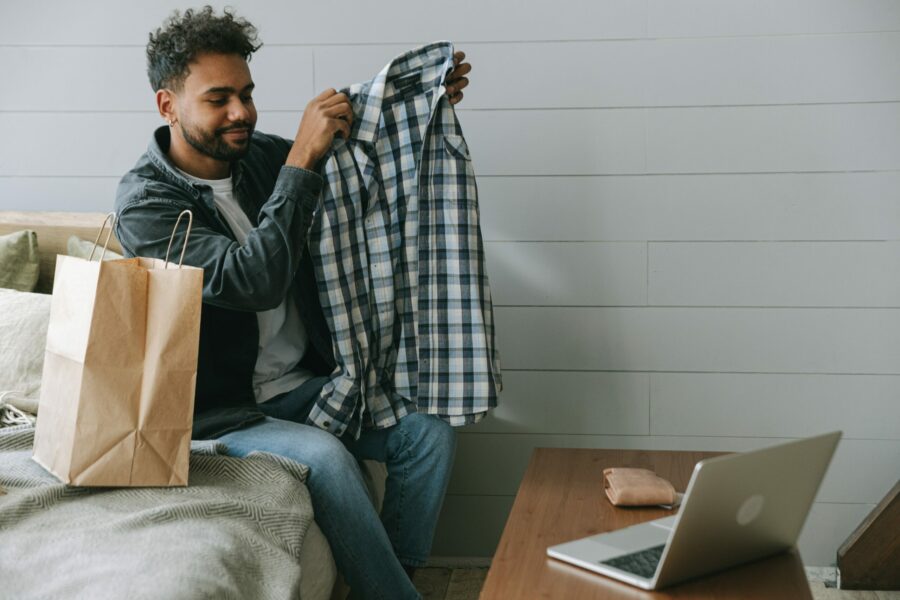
(326, 115)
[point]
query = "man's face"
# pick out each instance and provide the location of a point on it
(216, 113)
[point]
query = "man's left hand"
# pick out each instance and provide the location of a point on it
(456, 80)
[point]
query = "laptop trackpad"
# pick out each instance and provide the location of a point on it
(631, 539)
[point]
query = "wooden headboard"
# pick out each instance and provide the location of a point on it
(53, 231)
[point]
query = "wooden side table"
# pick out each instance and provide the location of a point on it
(561, 498)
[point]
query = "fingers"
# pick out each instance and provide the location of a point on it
(339, 111)
(456, 98)
(341, 127)
(458, 56)
(459, 71)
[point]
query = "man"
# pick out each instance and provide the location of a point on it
(264, 346)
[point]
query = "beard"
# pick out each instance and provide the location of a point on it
(215, 146)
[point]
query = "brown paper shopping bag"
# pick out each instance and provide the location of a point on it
(117, 391)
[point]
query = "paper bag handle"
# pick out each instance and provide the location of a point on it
(186, 236)
(111, 219)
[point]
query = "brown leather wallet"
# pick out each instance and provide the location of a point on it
(637, 487)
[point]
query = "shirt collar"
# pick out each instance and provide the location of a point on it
(433, 60)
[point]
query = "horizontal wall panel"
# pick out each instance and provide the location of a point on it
(284, 22)
(745, 71)
(774, 405)
(493, 464)
(95, 22)
(567, 274)
(774, 139)
(771, 70)
(543, 142)
(55, 79)
(472, 526)
(834, 206)
(775, 274)
(690, 18)
(628, 73)
(570, 403)
(826, 528)
(862, 341)
(600, 74)
(71, 79)
(818, 206)
(593, 74)
(68, 194)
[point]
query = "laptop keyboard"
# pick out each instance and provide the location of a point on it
(642, 563)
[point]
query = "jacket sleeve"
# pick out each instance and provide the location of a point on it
(254, 276)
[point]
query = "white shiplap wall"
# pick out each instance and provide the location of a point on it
(691, 209)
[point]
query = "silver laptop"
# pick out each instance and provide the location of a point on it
(737, 508)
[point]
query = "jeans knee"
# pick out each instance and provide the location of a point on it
(328, 459)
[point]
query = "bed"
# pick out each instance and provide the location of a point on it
(242, 528)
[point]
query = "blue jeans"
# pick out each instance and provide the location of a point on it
(418, 452)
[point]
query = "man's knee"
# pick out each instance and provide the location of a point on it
(328, 458)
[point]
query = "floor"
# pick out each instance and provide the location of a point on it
(436, 583)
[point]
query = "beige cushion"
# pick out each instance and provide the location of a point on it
(23, 337)
(19, 261)
(82, 249)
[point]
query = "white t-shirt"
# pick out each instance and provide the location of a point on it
(282, 337)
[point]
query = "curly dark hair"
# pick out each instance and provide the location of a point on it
(173, 46)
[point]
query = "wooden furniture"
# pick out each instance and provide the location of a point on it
(870, 558)
(561, 498)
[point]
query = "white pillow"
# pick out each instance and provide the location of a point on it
(80, 248)
(23, 337)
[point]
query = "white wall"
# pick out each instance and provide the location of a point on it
(691, 209)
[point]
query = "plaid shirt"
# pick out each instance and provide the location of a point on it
(399, 258)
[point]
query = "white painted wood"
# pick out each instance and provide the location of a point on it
(740, 405)
(56, 79)
(756, 70)
(470, 525)
(493, 464)
(628, 73)
(75, 79)
(92, 22)
(71, 194)
(541, 142)
(772, 70)
(700, 18)
(574, 273)
(826, 528)
(775, 274)
(570, 403)
(819, 206)
(773, 139)
(862, 341)
(834, 206)
(518, 75)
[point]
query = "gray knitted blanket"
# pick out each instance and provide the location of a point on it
(234, 532)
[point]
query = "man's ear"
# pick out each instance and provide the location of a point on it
(165, 103)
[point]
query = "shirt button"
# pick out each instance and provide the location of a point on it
(326, 423)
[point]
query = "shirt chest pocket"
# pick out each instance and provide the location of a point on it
(455, 177)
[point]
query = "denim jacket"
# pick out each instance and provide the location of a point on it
(238, 280)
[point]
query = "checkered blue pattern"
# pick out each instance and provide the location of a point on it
(400, 260)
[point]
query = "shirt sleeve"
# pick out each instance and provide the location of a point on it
(254, 276)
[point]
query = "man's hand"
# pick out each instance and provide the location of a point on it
(326, 115)
(456, 80)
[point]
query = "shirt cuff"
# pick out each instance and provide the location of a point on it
(303, 185)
